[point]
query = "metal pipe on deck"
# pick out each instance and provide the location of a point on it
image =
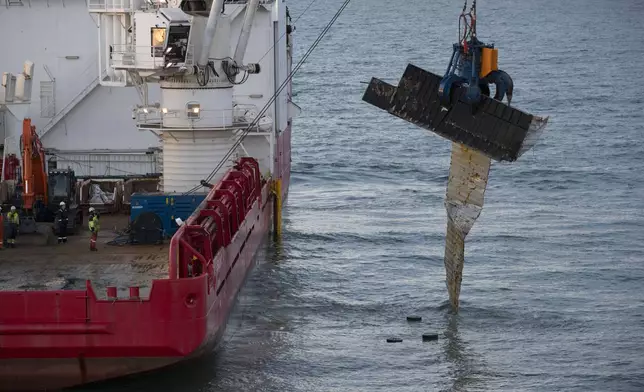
(209, 32)
(244, 35)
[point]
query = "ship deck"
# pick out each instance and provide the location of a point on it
(39, 263)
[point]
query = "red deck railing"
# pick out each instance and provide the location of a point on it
(213, 225)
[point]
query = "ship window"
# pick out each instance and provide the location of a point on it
(193, 110)
(157, 41)
(177, 46)
(58, 183)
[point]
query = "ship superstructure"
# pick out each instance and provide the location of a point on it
(215, 77)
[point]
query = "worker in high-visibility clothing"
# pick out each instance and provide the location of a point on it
(14, 223)
(94, 227)
(61, 218)
(1, 230)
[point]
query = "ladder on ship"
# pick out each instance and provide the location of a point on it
(68, 108)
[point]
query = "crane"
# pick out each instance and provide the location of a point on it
(458, 107)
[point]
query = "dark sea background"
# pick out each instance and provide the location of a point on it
(553, 287)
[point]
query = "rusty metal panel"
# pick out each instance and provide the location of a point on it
(468, 177)
(494, 128)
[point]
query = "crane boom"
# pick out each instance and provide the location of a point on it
(247, 25)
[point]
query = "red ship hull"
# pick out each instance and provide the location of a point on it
(58, 339)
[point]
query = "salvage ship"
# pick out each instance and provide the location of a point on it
(189, 186)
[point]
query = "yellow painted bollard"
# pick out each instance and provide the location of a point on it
(277, 208)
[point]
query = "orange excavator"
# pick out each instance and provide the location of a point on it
(42, 191)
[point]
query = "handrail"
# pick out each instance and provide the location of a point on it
(110, 5)
(145, 57)
(242, 115)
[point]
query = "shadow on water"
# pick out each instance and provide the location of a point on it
(194, 375)
(463, 361)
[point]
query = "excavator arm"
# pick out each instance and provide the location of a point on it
(34, 174)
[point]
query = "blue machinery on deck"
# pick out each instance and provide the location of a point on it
(153, 216)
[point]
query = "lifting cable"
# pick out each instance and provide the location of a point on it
(273, 98)
(468, 22)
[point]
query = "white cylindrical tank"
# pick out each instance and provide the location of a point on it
(189, 157)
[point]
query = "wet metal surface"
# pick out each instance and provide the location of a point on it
(38, 263)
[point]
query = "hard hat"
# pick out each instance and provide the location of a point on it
(13, 208)
(91, 209)
(62, 203)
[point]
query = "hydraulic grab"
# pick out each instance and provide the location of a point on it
(474, 65)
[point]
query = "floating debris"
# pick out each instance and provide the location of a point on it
(429, 337)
